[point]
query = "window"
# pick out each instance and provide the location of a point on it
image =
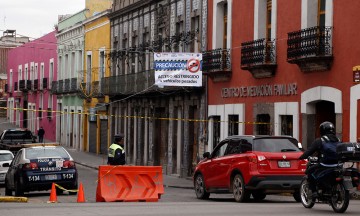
(88, 72)
(101, 66)
(233, 147)
(263, 126)
(321, 13)
(219, 152)
(268, 19)
(51, 72)
(286, 125)
(233, 125)
(225, 8)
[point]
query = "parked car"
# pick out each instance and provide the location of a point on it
(5, 160)
(36, 168)
(251, 165)
(16, 138)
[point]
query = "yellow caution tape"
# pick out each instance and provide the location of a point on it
(64, 189)
(135, 117)
(13, 199)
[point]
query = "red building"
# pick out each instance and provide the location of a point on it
(282, 67)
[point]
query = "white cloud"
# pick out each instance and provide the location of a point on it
(35, 18)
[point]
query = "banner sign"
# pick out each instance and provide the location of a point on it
(178, 69)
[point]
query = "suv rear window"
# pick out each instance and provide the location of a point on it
(275, 145)
(18, 135)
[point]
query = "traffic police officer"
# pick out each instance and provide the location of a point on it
(116, 154)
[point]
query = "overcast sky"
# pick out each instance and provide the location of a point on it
(35, 18)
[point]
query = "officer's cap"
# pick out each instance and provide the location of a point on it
(119, 136)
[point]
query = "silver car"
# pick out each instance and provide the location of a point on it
(5, 159)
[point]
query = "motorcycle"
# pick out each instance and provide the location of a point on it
(332, 188)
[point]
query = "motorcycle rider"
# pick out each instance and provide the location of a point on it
(325, 148)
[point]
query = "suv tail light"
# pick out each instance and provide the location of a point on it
(68, 164)
(30, 166)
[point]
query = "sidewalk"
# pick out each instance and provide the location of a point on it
(93, 161)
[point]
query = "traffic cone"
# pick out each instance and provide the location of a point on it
(81, 196)
(53, 197)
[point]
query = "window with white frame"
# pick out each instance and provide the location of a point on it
(233, 125)
(286, 127)
(26, 76)
(316, 13)
(20, 77)
(101, 66)
(51, 72)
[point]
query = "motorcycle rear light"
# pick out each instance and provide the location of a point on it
(355, 178)
(68, 164)
(30, 166)
(338, 179)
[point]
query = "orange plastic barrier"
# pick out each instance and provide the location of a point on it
(129, 183)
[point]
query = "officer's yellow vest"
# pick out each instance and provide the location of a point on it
(113, 148)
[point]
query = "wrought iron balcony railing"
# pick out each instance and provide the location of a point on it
(36, 85)
(28, 85)
(259, 57)
(73, 85)
(128, 83)
(257, 52)
(61, 86)
(217, 60)
(22, 85)
(67, 85)
(310, 42)
(54, 87)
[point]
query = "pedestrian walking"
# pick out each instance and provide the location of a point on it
(41, 133)
(116, 154)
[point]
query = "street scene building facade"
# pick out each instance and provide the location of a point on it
(262, 75)
(154, 119)
(31, 67)
(69, 87)
(285, 77)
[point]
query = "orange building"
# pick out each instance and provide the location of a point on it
(282, 67)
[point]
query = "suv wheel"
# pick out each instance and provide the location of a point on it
(239, 191)
(199, 186)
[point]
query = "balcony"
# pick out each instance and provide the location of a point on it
(73, 85)
(22, 86)
(259, 57)
(67, 86)
(217, 63)
(45, 83)
(311, 48)
(128, 84)
(36, 85)
(54, 87)
(61, 86)
(28, 85)
(96, 90)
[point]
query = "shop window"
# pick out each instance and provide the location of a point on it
(286, 125)
(263, 124)
(233, 125)
(216, 127)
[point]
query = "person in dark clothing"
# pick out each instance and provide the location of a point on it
(116, 154)
(41, 133)
(325, 149)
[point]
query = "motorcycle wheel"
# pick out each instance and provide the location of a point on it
(340, 198)
(305, 194)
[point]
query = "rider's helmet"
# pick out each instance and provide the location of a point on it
(327, 128)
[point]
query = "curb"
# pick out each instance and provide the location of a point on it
(13, 199)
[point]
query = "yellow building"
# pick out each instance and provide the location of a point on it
(97, 48)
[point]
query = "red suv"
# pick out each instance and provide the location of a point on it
(251, 165)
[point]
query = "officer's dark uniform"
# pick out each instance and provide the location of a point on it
(116, 154)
